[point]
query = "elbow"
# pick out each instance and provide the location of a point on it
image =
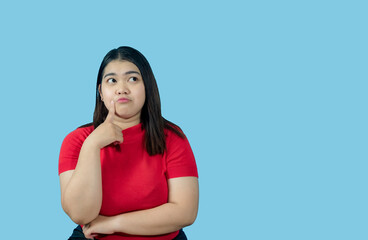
(186, 224)
(77, 220)
(189, 218)
(82, 220)
(81, 215)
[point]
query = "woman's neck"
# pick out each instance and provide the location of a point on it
(127, 123)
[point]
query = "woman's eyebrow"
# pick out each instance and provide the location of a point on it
(126, 73)
(109, 74)
(132, 72)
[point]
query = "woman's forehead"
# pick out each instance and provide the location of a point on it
(120, 64)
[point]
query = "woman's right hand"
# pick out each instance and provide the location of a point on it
(107, 132)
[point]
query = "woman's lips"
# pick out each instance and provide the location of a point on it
(123, 100)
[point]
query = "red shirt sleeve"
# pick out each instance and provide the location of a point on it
(180, 161)
(71, 147)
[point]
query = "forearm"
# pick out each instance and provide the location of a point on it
(180, 211)
(83, 195)
(163, 219)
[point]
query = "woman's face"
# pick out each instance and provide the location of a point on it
(122, 83)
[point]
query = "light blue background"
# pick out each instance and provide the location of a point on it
(271, 94)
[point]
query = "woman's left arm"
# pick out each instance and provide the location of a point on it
(180, 211)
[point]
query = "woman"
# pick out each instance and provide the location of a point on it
(130, 174)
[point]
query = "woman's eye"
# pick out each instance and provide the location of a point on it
(133, 79)
(111, 80)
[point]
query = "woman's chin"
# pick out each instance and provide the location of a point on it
(128, 117)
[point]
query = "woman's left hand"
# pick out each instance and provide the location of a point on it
(102, 225)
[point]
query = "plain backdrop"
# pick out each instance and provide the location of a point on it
(271, 94)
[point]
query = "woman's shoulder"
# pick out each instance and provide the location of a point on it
(80, 133)
(175, 137)
(173, 131)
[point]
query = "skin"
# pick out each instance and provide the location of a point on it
(122, 79)
(81, 189)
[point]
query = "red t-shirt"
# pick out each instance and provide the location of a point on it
(132, 179)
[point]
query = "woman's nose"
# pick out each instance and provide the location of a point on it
(122, 88)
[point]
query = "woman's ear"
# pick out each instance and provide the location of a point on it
(99, 91)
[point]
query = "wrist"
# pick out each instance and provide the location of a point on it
(90, 143)
(116, 223)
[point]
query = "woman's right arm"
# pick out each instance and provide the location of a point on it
(81, 188)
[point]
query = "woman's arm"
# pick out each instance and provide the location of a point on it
(81, 189)
(180, 211)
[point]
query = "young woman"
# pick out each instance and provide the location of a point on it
(130, 174)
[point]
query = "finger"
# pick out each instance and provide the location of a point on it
(119, 134)
(119, 138)
(88, 235)
(118, 142)
(111, 114)
(91, 236)
(84, 228)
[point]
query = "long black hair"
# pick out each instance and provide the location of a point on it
(151, 118)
